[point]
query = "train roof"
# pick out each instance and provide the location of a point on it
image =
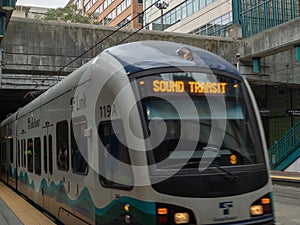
(156, 54)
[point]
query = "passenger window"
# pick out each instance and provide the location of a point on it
(4, 160)
(50, 154)
(11, 150)
(45, 154)
(37, 156)
(78, 145)
(19, 154)
(29, 153)
(23, 149)
(115, 175)
(62, 141)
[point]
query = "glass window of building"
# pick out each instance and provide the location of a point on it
(140, 20)
(88, 6)
(189, 7)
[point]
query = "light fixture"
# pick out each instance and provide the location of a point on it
(8, 4)
(181, 218)
(161, 5)
(256, 210)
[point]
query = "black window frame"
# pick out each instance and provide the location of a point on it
(37, 156)
(78, 162)
(104, 181)
(62, 139)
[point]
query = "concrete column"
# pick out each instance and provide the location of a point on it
(235, 31)
(256, 65)
(297, 49)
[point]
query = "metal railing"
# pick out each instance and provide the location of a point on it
(220, 30)
(259, 15)
(286, 145)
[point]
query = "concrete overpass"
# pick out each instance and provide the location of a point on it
(37, 54)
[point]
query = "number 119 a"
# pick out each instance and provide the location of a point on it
(108, 110)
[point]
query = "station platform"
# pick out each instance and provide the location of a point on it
(286, 178)
(285, 175)
(14, 210)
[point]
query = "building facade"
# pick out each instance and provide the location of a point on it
(28, 11)
(115, 13)
(202, 17)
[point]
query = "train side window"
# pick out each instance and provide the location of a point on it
(0, 151)
(11, 150)
(19, 154)
(50, 154)
(29, 153)
(62, 143)
(37, 156)
(78, 145)
(23, 149)
(4, 160)
(112, 150)
(45, 154)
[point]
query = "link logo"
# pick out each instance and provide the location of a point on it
(225, 206)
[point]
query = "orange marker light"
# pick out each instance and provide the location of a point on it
(233, 159)
(162, 211)
(265, 201)
(127, 207)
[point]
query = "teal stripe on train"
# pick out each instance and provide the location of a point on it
(142, 211)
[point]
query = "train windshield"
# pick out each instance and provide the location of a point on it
(197, 120)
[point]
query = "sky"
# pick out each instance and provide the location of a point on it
(43, 3)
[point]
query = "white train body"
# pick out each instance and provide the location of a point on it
(115, 110)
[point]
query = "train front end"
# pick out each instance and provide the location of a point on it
(211, 156)
(192, 135)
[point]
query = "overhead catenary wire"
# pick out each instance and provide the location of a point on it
(58, 72)
(106, 37)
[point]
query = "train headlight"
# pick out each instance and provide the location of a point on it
(262, 206)
(256, 210)
(173, 214)
(181, 218)
(185, 53)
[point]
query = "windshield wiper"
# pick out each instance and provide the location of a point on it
(228, 175)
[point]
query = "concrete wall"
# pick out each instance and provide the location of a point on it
(43, 48)
(276, 47)
(46, 46)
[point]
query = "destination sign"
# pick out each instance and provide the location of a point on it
(191, 87)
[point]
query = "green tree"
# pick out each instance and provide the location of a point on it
(69, 13)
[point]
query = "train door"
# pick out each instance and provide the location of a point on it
(115, 177)
(47, 165)
(11, 163)
(19, 165)
(22, 182)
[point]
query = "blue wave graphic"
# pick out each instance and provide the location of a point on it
(143, 212)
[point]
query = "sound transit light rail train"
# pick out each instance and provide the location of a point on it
(145, 133)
